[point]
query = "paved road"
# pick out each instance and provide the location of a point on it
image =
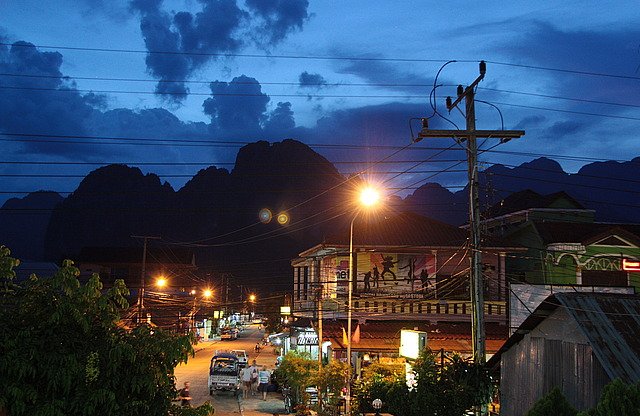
(196, 370)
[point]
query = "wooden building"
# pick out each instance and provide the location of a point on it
(578, 342)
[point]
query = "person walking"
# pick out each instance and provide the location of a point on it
(245, 377)
(253, 373)
(263, 378)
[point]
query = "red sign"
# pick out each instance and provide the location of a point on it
(630, 265)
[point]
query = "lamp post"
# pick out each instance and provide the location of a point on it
(368, 197)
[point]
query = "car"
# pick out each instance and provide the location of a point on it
(229, 334)
(243, 358)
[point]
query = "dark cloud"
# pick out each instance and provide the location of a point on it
(308, 80)
(564, 128)
(280, 120)
(612, 52)
(41, 101)
(279, 17)
(388, 75)
(237, 107)
(187, 40)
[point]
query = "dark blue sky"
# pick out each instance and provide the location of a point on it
(84, 80)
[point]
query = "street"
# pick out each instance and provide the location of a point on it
(196, 371)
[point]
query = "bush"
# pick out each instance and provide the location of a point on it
(553, 404)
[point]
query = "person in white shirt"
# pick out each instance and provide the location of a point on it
(245, 377)
(263, 378)
(254, 377)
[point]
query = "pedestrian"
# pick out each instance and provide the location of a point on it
(263, 378)
(254, 372)
(245, 377)
(185, 395)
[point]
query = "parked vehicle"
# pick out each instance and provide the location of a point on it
(229, 333)
(243, 358)
(224, 373)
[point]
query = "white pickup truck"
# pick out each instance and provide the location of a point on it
(224, 373)
(243, 359)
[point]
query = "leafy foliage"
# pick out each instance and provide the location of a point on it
(552, 404)
(618, 399)
(446, 391)
(298, 371)
(63, 351)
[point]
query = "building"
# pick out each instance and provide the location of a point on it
(565, 245)
(407, 268)
(578, 342)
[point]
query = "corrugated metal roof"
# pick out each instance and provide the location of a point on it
(528, 199)
(566, 232)
(385, 335)
(610, 322)
(404, 229)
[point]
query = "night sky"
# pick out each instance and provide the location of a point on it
(175, 86)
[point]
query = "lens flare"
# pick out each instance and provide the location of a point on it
(283, 218)
(265, 215)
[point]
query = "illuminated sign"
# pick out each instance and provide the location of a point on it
(285, 310)
(630, 265)
(412, 343)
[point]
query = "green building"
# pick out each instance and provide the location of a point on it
(564, 244)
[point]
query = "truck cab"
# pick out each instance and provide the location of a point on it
(224, 373)
(243, 359)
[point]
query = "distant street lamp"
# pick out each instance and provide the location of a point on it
(369, 197)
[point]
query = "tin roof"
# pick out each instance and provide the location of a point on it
(586, 233)
(610, 322)
(405, 229)
(528, 199)
(384, 336)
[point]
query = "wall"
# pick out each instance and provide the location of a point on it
(554, 354)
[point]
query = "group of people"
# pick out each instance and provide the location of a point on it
(255, 380)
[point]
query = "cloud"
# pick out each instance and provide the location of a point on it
(237, 107)
(190, 40)
(186, 41)
(308, 80)
(41, 101)
(387, 75)
(280, 120)
(279, 17)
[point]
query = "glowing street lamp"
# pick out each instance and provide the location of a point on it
(252, 298)
(161, 282)
(207, 293)
(369, 196)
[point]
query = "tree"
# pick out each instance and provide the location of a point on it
(446, 391)
(618, 399)
(296, 371)
(63, 350)
(552, 404)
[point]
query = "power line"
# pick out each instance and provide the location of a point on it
(289, 83)
(317, 57)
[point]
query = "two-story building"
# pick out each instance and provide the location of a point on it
(407, 268)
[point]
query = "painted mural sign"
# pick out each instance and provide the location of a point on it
(395, 274)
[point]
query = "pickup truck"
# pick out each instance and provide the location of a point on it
(230, 334)
(243, 359)
(224, 373)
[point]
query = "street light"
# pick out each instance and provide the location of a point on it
(161, 282)
(377, 404)
(369, 197)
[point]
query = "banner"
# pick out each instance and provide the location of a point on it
(386, 273)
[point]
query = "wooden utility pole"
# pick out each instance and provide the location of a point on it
(142, 274)
(475, 260)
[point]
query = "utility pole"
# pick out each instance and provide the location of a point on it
(142, 274)
(475, 260)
